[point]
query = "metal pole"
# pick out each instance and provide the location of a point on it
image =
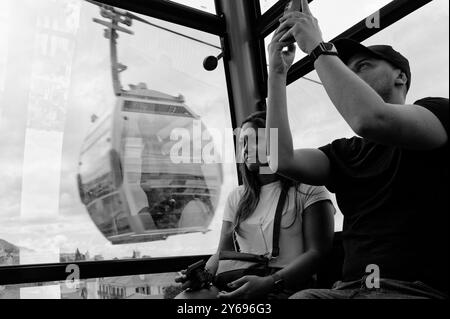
(242, 68)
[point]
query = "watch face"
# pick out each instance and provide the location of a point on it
(328, 46)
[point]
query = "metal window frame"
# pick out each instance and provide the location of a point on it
(38, 273)
(268, 22)
(260, 26)
(389, 14)
(174, 12)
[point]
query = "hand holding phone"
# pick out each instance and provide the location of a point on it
(192, 269)
(292, 6)
(304, 25)
(195, 277)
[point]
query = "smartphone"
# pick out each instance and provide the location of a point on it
(196, 266)
(292, 6)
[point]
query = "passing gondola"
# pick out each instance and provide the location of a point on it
(131, 179)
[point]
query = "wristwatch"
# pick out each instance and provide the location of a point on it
(326, 48)
(278, 284)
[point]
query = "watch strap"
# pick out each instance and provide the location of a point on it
(322, 49)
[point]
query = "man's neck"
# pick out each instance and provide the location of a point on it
(396, 99)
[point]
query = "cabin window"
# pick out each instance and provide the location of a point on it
(96, 167)
(59, 119)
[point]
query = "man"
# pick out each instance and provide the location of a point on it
(391, 183)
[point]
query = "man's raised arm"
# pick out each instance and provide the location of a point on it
(309, 166)
(358, 95)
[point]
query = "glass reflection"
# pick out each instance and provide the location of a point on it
(60, 162)
(145, 286)
(130, 180)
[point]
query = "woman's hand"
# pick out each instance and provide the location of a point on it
(304, 27)
(280, 61)
(196, 281)
(249, 287)
(187, 283)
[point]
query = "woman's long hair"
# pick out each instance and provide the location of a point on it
(252, 186)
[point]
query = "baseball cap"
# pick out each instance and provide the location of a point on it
(347, 48)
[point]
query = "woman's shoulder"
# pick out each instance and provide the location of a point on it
(310, 195)
(308, 190)
(236, 193)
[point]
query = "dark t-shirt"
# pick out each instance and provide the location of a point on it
(395, 205)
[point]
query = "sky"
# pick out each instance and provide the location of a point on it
(45, 116)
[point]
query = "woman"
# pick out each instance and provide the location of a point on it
(307, 225)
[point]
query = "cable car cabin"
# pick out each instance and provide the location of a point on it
(127, 199)
(133, 186)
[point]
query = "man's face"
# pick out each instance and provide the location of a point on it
(378, 74)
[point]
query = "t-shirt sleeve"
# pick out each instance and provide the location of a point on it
(231, 205)
(336, 153)
(314, 194)
(439, 107)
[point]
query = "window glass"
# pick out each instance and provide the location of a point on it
(266, 5)
(145, 286)
(313, 120)
(87, 172)
(204, 5)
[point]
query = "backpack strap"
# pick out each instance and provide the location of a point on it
(277, 222)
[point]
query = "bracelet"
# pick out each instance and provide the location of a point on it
(278, 282)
